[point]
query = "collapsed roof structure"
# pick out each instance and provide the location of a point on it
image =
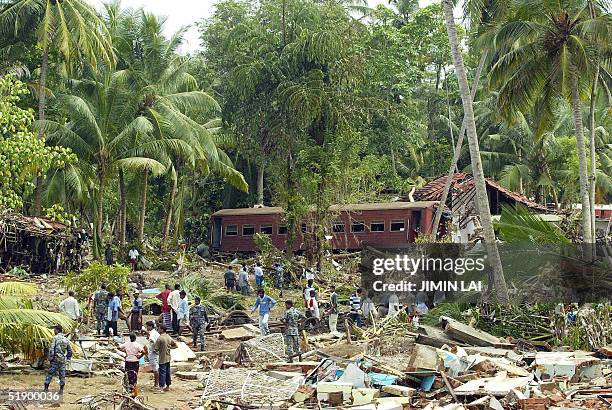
(461, 204)
(38, 244)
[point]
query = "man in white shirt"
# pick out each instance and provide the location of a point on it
(133, 255)
(174, 299)
(259, 275)
(70, 307)
(153, 334)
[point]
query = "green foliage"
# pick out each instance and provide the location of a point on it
(57, 213)
(265, 248)
(212, 297)
(518, 225)
(86, 282)
(24, 329)
(22, 154)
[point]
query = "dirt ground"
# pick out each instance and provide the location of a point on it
(182, 395)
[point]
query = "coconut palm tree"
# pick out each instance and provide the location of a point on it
(102, 130)
(70, 28)
(24, 329)
(169, 97)
(497, 283)
(481, 16)
(552, 49)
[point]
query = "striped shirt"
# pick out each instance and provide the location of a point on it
(355, 303)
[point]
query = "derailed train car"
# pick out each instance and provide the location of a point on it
(353, 226)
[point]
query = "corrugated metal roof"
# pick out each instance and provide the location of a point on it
(273, 210)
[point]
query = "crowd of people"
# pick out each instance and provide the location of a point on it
(178, 317)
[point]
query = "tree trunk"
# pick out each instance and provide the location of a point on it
(143, 206)
(122, 209)
(497, 283)
(169, 212)
(42, 106)
(291, 220)
(100, 206)
(457, 153)
(593, 156)
(260, 183)
(582, 160)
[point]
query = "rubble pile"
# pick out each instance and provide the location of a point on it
(398, 365)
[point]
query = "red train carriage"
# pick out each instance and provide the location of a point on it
(382, 225)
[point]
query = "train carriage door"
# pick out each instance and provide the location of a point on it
(217, 233)
(414, 225)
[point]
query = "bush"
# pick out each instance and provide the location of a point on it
(88, 280)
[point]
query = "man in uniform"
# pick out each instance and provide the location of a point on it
(100, 307)
(292, 319)
(59, 352)
(199, 321)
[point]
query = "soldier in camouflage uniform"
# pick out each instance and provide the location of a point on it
(59, 352)
(292, 319)
(100, 308)
(199, 322)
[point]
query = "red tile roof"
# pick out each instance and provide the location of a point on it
(462, 186)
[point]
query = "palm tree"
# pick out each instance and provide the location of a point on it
(24, 329)
(481, 15)
(102, 131)
(497, 283)
(169, 97)
(70, 27)
(552, 49)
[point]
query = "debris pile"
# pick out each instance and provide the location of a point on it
(398, 365)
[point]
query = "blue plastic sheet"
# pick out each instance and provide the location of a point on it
(382, 379)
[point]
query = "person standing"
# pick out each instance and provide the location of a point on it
(355, 302)
(108, 254)
(279, 277)
(243, 281)
(307, 289)
(292, 319)
(162, 347)
(166, 309)
(230, 278)
(133, 255)
(59, 352)
(174, 299)
(265, 304)
(112, 315)
(333, 310)
(152, 335)
(313, 306)
(70, 307)
(135, 320)
(100, 307)
(182, 312)
(259, 275)
(199, 322)
(133, 352)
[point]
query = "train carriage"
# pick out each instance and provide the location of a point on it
(384, 225)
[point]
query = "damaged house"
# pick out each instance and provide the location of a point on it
(39, 245)
(461, 206)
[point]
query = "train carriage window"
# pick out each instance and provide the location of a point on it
(358, 226)
(231, 230)
(248, 230)
(282, 229)
(398, 226)
(266, 229)
(338, 227)
(378, 226)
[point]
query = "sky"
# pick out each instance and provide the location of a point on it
(181, 13)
